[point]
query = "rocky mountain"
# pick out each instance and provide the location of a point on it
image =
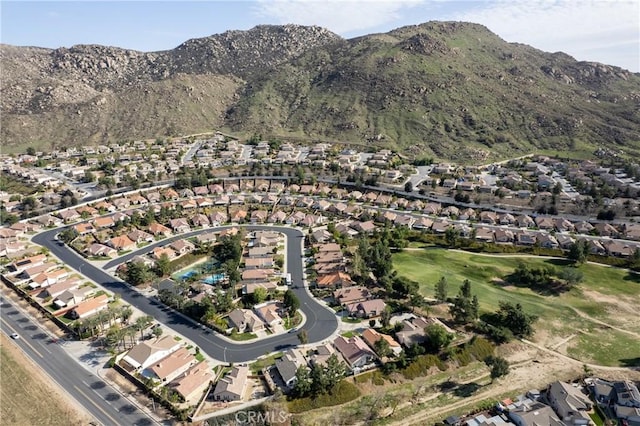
(450, 89)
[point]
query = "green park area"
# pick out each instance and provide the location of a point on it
(601, 308)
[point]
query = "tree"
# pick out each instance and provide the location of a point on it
(291, 302)
(335, 370)
(318, 379)
(499, 366)
(259, 295)
(437, 337)
(441, 290)
(142, 323)
(465, 306)
(382, 348)
(157, 332)
(571, 276)
(137, 273)
(303, 336)
(515, 319)
(408, 186)
(302, 386)
(163, 265)
(578, 251)
(68, 235)
(385, 317)
(31, 151)
(451, 236)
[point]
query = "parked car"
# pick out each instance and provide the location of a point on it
(15, 336)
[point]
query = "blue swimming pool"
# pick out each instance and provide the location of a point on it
(209, 279)
(215, 278)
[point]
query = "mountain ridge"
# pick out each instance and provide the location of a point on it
(447, 89)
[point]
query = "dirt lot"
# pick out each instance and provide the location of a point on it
(26, 395)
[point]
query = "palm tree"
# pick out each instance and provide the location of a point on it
(142, 323)
(125, 313)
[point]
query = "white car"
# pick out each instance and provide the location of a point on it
(15, 336)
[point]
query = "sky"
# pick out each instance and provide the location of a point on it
(606, 31)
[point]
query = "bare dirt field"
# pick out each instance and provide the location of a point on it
(26, 395)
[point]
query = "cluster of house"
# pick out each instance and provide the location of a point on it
(358, 352)
(619, 399)
(260, 317)
(53, 285)
(306, 205)
(259, 263)
(168, 363)
(563, 404)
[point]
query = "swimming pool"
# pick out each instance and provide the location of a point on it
(209, 279)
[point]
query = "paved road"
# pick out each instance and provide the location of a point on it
(321, 322)
(100, 399)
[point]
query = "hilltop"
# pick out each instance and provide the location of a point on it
(449, 89)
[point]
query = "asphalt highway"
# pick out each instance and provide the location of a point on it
(321, 322)
(104, 403)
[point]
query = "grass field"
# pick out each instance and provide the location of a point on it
(606, 294)
(26, 395)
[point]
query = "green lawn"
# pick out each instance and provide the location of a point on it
(556, 312)
(240, 337)
(606, 347)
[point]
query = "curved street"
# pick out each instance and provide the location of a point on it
(321, 322)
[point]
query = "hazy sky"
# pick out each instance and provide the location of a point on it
(605, 31)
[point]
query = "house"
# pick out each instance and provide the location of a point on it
(322, 353)
(268, 312)
(104, 222)
(97, 249)
(288, 365)
(22, 264)
(70, 215)
(158, 252)
(122, 243)
(73, 296)
(546, 223)
(149, 352)
(489, 217)
(84, 228)
(56, 289)
(524, 221)
(171, 366)
(182, 247)
(158, 229)
(259, 216)
(194, 381)
(569, 403)
(232, 386)
(334, 280)
(180, 225)
(139, 236)
(627, 394)
(364, 227)
(371, 336)
(547, 241)
(207, 238)
(355, 351)
(245, 320)
(534, 414)
(258, 262)
(257, 274)
(412, 331)
(347, 295)
(366, 309)
(484, 234)
(90, 307)
(606, 230)
(503, 236)
(200, 220)
(46, 279)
